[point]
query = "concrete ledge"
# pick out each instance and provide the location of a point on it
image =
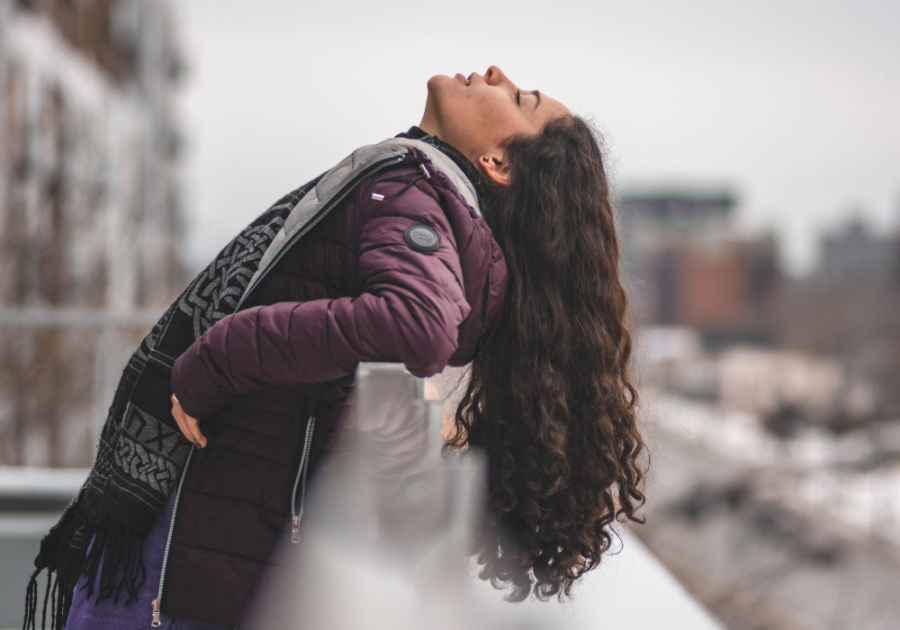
(31, 482)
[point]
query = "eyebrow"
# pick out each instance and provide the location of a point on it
(537, 93)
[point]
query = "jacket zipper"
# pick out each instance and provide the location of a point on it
(157, 603)
(300, 482)
(296, 516)
(327, 208)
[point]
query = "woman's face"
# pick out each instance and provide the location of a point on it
(477, 114)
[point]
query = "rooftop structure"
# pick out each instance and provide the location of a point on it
(674, 206)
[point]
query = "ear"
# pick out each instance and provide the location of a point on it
(496, 167)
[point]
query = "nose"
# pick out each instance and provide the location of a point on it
(495, 76)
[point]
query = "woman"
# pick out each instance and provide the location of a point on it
(490, 240)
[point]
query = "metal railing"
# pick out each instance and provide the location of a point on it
(42, 317)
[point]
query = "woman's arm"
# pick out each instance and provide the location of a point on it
(410, 309)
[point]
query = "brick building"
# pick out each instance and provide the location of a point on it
(686, 264)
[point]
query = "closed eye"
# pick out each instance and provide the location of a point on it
(518, 97)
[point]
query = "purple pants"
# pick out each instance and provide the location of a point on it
(105, 615)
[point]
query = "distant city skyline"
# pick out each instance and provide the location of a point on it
(792, 105)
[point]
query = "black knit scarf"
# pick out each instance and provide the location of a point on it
(142, 452)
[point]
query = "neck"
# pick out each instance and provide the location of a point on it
(431, 126)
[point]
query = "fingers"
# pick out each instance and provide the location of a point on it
(189, 426)
(194, 428)
(179, 416)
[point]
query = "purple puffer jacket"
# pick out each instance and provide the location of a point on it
(354, 289)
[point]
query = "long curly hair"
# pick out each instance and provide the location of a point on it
(549, 397)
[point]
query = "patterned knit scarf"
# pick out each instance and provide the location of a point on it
(142, 452)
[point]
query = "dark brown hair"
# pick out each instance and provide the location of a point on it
(549, 397)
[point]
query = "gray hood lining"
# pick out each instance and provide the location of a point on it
(335, 179)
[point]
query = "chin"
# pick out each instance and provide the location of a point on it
(438, 81)
(440, 90)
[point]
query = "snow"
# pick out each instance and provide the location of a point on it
(825, 476)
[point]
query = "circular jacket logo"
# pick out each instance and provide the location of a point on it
(422, 238)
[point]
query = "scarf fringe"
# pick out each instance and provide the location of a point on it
(113, 563)
(57, 601)
(31, 601)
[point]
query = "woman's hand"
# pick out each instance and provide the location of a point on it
(188, 425)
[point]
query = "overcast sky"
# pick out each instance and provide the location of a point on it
(794, 104)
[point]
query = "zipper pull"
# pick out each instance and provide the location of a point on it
(425, 170)
(156, 623)
(295, 529)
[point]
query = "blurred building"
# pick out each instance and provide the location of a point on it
(816, 388)
(856, 255)
(687, 265)
(90, 209)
